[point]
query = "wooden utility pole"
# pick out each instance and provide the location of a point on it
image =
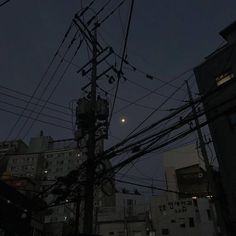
(209, 170)
(91, 145)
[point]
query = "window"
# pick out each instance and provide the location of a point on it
(111, 233)
(165, 231)
(191, 222)
(130, 204)
(224, 77)
(182, 225)
(173, 221)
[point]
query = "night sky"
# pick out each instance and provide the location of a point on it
(166, 39)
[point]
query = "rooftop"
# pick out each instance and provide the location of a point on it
(228, 30)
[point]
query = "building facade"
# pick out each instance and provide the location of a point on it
(216, 79)
(8, 148)
(128, 217)
(182, 216)
(187, 208)
(40, 164)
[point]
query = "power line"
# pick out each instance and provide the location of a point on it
(25, 101)
(173, 139)
(150, 76)
(86, 8)
(133, 163)
(34, 98)
(128, 101)
(176, 112)
(153, 112)
(43, 114)
(156, 188)
(149, 148)
(57, 84)
(3, 3)
(151, 92)
(124, 99)
(40, 81)
(29, 117)
(110, 14)
(98, 12)
(147, 75)
(122, 60)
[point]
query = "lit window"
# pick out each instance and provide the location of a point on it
(223, 78)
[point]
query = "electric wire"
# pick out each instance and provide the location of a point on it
(43, 114)
(25, 101)
(98, 12)
(39, 120)
(153, 112)
(35, 98)
(41, 81)
(3, 3)
(55, 87)
(152, 91)
(125, 99)
(122, 60)
(109, 15)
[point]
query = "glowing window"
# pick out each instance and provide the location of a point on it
(224, 77)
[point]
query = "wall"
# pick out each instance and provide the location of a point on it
(222, 132)
(181, 217)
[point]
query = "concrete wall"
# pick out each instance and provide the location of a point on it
(181, 217)
(121, 220)
(222, 132)
(182, 157)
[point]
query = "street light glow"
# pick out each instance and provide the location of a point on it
(123, 120)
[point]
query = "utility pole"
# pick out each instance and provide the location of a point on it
(209, 170)
(92, 114)
(91, 145)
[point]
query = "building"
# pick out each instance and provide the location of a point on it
(61, 158)
(187, 209)
(39, 165)
(216, 79)
(129, 216)
(26, 165)
(185, 172)
(10, 147)
(20, 214)
(182, 216)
